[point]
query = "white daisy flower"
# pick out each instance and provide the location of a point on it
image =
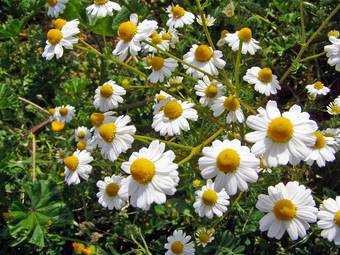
(208, 90)
(158, 99)
(289, 208)
(249, 44)
(161, 68)
(65, 114)
(265, 82)
(84, 145)
(281, 138)
(333, 52)
(97, 119)
(335, 134)
(334, 108)
(56, 7)
(131, 34)
(152, 176)
(209, 201)
(209, 20)
(82, 133)
(233, 165)
(174, 81)
(329, 219)
(229, 10)
(232, 105)
(171, 35)
(61, 37)
(322, 151)
(264, 168)
(60, 155)
(156, 39)
(174, 116)
(108, 195)
(77, 166)
(108, 96)
(179, 244)
(102, 8)
(178, 17)
(204, 236)
(203, 57)
(317, 88)
(115, 137)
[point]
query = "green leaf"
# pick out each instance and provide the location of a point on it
(12, 28)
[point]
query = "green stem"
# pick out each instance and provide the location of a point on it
(204, 24)
(147, 138)
(33, 104)
(34, 176)
(313, 57)
(303, 31)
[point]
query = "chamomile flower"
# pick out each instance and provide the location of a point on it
(152, 176)
(209, 201)
(82, 133)
(57, 126)
(229, 10)
(171, 35)
(156, 39)
(329, 219)
(178, 17)
(162, 95)
(208, 90)
(60, 155)
(233, 165)
(232, 105)
(174, 116)
(102, 8)
(334, 108)
(334, 33)
(131, 34)
(65, 114)
(333, 52)
(209, 20)
(322, 151)
(56, 7)
(203, 57)
(249, 44)
(265, 82)
(204, 236)
(281, 138)
(264, 168)
(53, 115)
(179, 244)
(289, 208)
(174, 81)
(77, 166)
(335, 134)
(60, 37)
(108, 195)
(161, 68)
(317, 88)
(97, 119)
(108, 96)
(115, 137)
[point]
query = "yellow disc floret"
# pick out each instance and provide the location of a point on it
(156, 63)
(211, 91)
(81, 145)
(172, 110)
(51, 111)
(209, 197)
(155, 38)
(265, 75)
(127, 31)
(337, 218)
(245, 34)
(177, 11)
(320, 140)
(54, 36)
(100, 2)
(204, 237)
(97, 119)
(177, 247)
(203, 53)
(59, 23)
(108, 132)
(143, 170)
(57, 126)
(71, 162)
(160, 98)
(112, 189)
(81, 134)
(166, 36)
(318, 85)
(231, 103)
(280, 130)
(63, 111)
(334, 33)
(284, 209)
(106, 90)
(228, 161)
(52, 3)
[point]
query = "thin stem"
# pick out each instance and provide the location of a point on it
(303, 31)
(34, 174)
(147, 138)
(313, 57)
(204, 24)
(237, 69)
(33, 104)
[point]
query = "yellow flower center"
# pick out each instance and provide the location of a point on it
(177, 11)
(280, 130)
(51, 111)
(209, 197)
(231, 103)
(228, 161)
(100, 2)
(196, 183)
(125, 82)
(177, 247)
(166, 36)
(318, 85)
(335, 109)
(245, 34)
(97, 119)
(143, 170)
(52, 3)
(108, 132)
(106, 90)
(57, 126)
(172, 110)
(211, 91)
(81, 134)
(320, 140)
(112, 189)
(54, 36)
(127, 31)
(265, 75)
(63, 111)
(337, 218)
(71, 162)
(204, 237)
(81, 145)
(284, 209)
(156, 63)
(334, 33)
(160, 98)
(203, 53)
(155, 38)
(59, 23)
